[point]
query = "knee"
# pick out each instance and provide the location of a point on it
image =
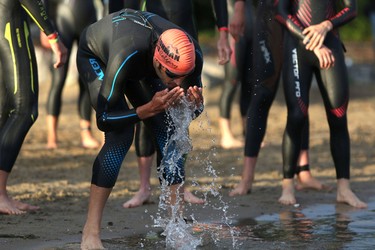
(297, 118)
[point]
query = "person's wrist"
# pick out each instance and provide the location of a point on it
(53, 38)
(225, 29)
(328, 25)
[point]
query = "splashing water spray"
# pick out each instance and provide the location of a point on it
(179, 234)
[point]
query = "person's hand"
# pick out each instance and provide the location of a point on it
(325, 56)
(60, 52)
(315, 34)
(194, 95)
(223, 48)
(237, 22)
(160, 102)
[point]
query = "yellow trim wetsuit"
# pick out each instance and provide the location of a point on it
(18, 74)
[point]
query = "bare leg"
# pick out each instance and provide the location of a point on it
(52, 131)
(227, 139)
(177, 198)
(346, 195)
(8, 205)
(287, 195)
(247, 178)
(191, 198)
(144, 192)
(87, 139)
(91, 231)
(304, 179)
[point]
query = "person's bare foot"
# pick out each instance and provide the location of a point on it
(228, 143)
(306, 181)
(51, 144)
(346, 195)
(242, 188)
(140, 198)
(87, 139)
(14, 207)
(91, 241)
(287, 196)
(24, 206)
(7, 206)
(191, 198)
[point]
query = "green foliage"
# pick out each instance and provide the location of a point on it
(357, 30)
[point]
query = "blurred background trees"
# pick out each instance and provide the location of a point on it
(357, 30)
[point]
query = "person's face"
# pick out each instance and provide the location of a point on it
(170, 79)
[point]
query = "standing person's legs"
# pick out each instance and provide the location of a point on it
(105, 172)
(19, 103)
(91, 231)
(305, 180)
(85, 110)
(230, 85)
(7, 204)
(296, 90)
(145, 150)
(334, 86)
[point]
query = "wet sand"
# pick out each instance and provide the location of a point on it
(58, 180)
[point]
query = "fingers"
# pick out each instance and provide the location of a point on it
(172, 96)
(195, 95)
(223, 57)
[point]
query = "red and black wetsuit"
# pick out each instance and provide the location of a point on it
(299, 66)
(18, 74)
(115, 58)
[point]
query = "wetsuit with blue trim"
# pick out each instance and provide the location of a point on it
(181, 13)
(298, 69)
(18, 74)
(70, 18)
(115, 59)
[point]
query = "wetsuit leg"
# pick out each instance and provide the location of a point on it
(267, 60)
(334, 87)
(109, 160)
(144, 145)
(70, 28)
(117, 141)
(19, 91)
(297, 76)
(244, 60)
(169, 168)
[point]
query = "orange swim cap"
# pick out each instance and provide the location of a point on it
(175, 51)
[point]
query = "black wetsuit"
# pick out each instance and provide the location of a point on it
(70, 18)
(181, 13)
(267, 60)
(298, 69)
(238, 70)
(18, 74)
(115, 58)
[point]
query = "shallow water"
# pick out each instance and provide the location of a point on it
(323, 226)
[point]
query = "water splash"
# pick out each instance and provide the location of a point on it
(213, 189)
(169, 217)
(178, 233)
